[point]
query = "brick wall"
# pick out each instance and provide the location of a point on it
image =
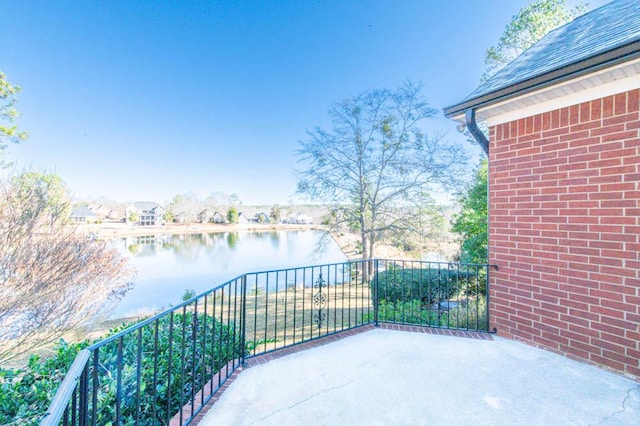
(565, 231)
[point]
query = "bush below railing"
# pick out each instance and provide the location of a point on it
(431, 294)
(469, 316)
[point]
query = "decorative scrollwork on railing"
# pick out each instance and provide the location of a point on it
(319, 302)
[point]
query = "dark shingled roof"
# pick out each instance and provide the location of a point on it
(602, 30)
(82, 211)
(145, 205)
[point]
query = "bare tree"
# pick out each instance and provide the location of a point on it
(422, 226)
(375, 160)
(187, 206)
(52, 279)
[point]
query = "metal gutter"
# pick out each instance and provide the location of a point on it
(607, 59)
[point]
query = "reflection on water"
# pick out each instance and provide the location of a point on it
(167, 265)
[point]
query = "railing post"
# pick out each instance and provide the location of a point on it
(376, 293)
(84, 396)
(60, 402)
(487, 299)
(243, 318)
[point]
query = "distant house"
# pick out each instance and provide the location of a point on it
(242, 218)
(149, 213)
(180, 218)
(299, 219)
(204, 216)
(262, 217)
(82, 214)
(218, 218)
(104, 212)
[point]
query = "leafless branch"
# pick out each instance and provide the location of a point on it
(52, 279)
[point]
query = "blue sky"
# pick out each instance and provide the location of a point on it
(142, 100)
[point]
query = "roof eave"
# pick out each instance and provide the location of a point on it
(594, 63)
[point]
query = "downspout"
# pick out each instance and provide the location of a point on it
(470, 118)
(479, 136)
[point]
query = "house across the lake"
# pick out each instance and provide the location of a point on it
(104, 212)
(218, 218)
(82, 214)
(204, 216)
(148, 213)
(299, 219)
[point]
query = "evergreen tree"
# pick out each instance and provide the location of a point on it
(471, 223)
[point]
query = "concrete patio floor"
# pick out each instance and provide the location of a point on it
(386, 377)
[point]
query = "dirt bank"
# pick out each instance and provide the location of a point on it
(349, 243)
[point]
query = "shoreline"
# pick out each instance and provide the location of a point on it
(347, 242)
(119, 230)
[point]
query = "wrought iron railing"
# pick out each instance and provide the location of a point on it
(164, 369)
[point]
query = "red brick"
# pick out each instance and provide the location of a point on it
(546, 121)
(585, 112)
(620, 119)
(607, 362)
(629, 134)
(634, 142)
(618, 170)
(627, 325)
(605, 179)
(596, 109)
(629, 204)
(537, 123)
(609, 162)
(564, 117)
(617, 340)
(606, 196)
(615, 354)
(632, 100)
(554, 117)
(574, 115)
(620, 104)
(613, 128)
(607, 106)
(582, 346)
(618, 236)
(584, 126)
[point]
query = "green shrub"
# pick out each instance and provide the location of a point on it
(188, 294)
(192, 358)
(407, 312)
(25, 394)
(429, 286)
(471, 315)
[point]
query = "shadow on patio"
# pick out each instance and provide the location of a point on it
(386, 377)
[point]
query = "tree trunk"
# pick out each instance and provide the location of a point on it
(365, 245)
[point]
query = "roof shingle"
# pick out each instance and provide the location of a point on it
(609, 27)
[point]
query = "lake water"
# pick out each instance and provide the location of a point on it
(168, 265)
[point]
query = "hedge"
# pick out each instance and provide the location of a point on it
(25, 394)
(429, 285)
